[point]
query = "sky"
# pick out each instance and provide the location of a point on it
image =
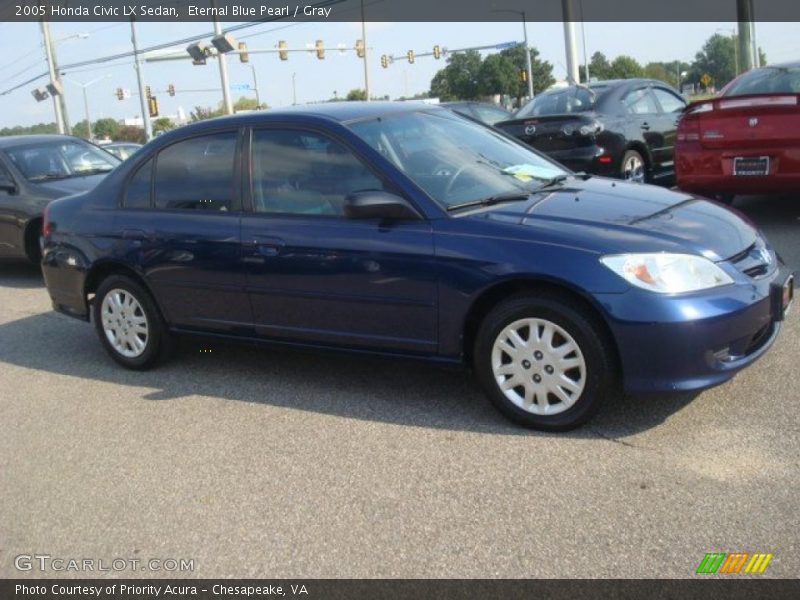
(22, 56)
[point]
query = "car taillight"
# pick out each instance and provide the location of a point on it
(700, 108)
(689, 129)
(47, 227)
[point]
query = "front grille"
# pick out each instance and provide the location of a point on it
(756, 261)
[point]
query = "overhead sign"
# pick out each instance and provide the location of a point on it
(506, 45)
(240, 87)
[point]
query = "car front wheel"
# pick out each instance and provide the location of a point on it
(128, 323)
(543, 362)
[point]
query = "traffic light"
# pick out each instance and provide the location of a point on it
(147, 93)
(40, 94)
(320, 45)
(171, 89)
(360, 48)
(198, 62)
(410, 56)
(437, 52)
(243, 55)
(152, 106)
(282, 50)
(120, 94)
(523, 76)
(385, 61)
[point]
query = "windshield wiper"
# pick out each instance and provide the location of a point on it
(47, 177)
(94, 171)
(492, 200)
(561, 179)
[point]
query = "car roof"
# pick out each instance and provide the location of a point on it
(23, 140)
(336, 111)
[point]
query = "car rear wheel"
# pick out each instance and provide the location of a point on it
(543, 362)
(128, 323)
(633, 167)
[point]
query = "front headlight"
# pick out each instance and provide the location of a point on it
(667, 273)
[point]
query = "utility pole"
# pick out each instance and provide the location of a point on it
(148, 126)
(294, 89)
(48, 48)
(223, 69)
(255, 86)
(570, 46)
(364, 40)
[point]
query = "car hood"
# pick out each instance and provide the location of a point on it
(632, 217)
(66, 187)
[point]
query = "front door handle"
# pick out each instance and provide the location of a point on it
(265, 247)
(646, 126)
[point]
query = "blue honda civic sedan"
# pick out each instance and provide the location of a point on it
(407, 230)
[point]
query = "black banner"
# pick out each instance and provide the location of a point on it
(732, 588)
(399, 10)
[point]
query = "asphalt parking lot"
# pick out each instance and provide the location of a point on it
(281, 464)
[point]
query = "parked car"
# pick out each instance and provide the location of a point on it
(745, 141)
(400, 229)
(482, 111)
(35, 169)
(122, 150)
(618, 128)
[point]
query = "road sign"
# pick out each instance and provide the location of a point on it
(506, 45)
(706, 80)
(240, 87)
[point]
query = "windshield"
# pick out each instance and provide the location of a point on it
(558, 102)
(453, 159)
(769, 80)
(60, 160)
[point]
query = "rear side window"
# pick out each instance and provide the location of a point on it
(768, 80)
(197, 174)
(138, 193)
(669, 102)
(640, 102)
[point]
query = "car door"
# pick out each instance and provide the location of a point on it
(314, 275)
(11, 215)
(180, 223)
(671, 106)
(645, 125)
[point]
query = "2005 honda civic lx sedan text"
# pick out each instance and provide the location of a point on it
(405, 229)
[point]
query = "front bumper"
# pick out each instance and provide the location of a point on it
(694, 341)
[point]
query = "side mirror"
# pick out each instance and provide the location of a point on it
(6, 184)
(375, 204)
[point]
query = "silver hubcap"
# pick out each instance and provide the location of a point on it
(538, 366)
(125, 323)
(633, 169)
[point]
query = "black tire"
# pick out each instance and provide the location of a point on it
(33, 249)
(633, 155)
(158, 343)
(600, 377)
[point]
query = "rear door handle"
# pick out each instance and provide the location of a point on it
(646, 126)
(264, 247)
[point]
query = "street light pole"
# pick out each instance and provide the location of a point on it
(528, 66)
(255, 85)
(364, 41)
(48, 48)
(294, 90)
(223, 69)
(86, 86)
(148, 126)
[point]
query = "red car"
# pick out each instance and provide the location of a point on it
(746, 140)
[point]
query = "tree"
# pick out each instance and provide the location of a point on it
(717, 58)
(201, 113)
(106, 127)
(162, 124)
(541, 69)
(599, 67)
(497, 75)
(243, 103)
(356, 94)
(130, 133)
(459, 79)
(625, 67)
(80, 129)
(658, 71)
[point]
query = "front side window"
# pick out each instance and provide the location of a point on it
(305, 173)
(454, 159)
(60, 160)
(197, 174)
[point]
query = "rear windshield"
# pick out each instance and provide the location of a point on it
(769, 80)
(558, 102)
